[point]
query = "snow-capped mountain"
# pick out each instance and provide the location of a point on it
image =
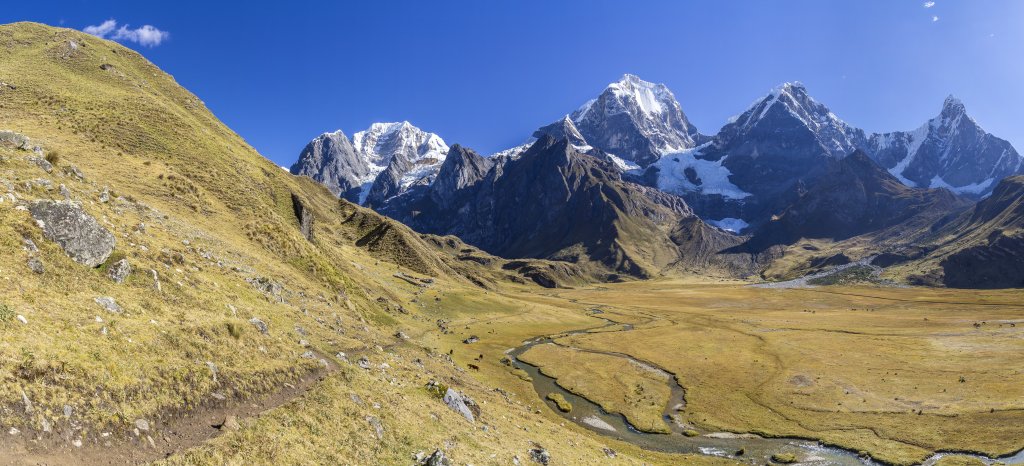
(765, 156)
(408, 154)
(378, 163)
(949, 151)
(759, 157)
(635, 120)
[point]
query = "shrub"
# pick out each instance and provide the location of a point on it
(234, 330)
(6, 313)
(53, 157)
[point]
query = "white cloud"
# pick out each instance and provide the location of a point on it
(146, 35)
(102, 30)
(935, 18)
(929, 4)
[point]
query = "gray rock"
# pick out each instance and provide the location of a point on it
(108, 303)
(72, 170)
(378, 428)
(267, 286)
(156, 280)
(309, 355)
(458, 403)
(30, 245)
(540, 455)
(472, 339)
(77, 232)
(363, 363)
(142, 425)
(230, 423)
(260, 325)
(436, 458)
(119, 271)
(36, 266)
(29, 407)
(42, 163)
(213, 370)
(330, 159)
(65, 192)
(18, 140)
(305, 217)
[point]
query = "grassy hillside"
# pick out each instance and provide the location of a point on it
(210, 231)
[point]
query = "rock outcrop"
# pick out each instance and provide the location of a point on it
(304, 215)
(77, 232)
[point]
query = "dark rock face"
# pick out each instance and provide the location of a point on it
(461, 172)
(757, 163)
(552, 202)
(563, 129)
(855, 196)
(331, 160)
(949, 151)
(77, 232)
(304, 215)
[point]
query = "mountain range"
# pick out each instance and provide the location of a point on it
(638, 190)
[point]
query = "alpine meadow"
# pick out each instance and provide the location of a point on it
(613, 281)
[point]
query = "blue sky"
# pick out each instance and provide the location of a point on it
(486, 73)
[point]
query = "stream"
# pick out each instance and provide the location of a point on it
(748, 448)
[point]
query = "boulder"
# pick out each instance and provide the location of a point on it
(378, 428)
(119, 271)
(36, 266)
(260, 325)
(436, 458)
(108, 303)
(230, 422)
(77, 232)
(539, 455)
(42, 163)
(460, 404)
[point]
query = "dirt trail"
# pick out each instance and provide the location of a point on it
(169, 436)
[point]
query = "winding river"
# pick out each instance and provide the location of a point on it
(747, 448)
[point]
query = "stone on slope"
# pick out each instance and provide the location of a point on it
(77, 232)
(459, 403)
(119, 271)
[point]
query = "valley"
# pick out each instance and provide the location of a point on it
(169, 295)
(894, 374)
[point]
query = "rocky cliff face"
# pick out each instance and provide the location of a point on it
(377, 164)
(558, 203)
(332, 160)
(854, 197)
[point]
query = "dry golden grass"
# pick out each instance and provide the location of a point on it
(216, 213)
(898, 373)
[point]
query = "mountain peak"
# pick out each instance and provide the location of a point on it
(793, 87)
(636, 120)
(953, 105)
(653, 99)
